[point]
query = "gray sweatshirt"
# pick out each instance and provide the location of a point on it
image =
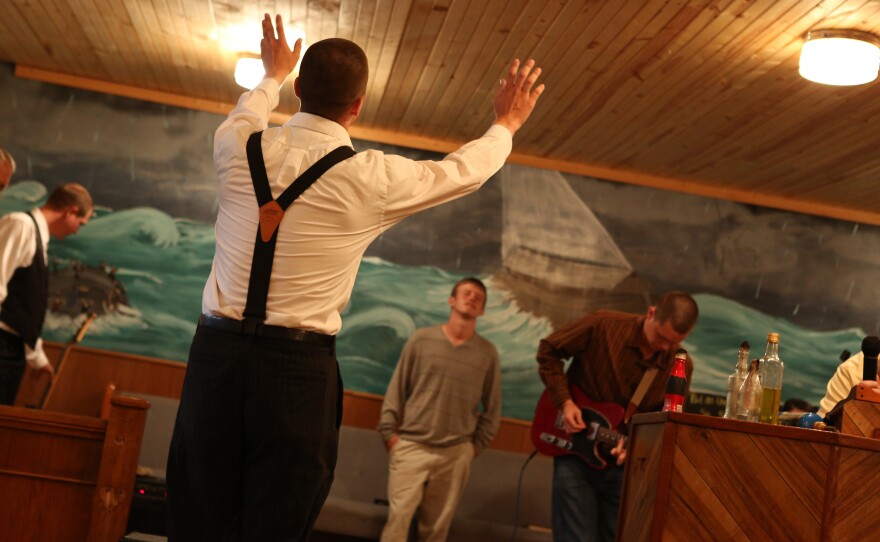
(442, 394)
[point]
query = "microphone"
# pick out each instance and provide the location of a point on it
(871, 348)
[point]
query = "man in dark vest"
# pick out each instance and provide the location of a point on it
(254, 446)
(24, 280)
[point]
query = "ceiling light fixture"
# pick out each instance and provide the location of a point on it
(249, 71)
(840, 57)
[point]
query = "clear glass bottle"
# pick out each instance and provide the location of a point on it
(771, 380)
(748, 408)
(734, 381)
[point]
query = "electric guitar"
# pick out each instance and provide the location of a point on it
(593, 444)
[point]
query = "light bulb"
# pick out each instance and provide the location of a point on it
(249, 72)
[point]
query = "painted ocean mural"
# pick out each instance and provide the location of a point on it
(550, 246)
(163, 262)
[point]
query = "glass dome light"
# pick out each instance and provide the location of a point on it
(840, 57)
(249, 72)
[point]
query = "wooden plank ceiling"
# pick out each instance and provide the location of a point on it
(701, 96)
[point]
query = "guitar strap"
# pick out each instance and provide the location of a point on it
(641, 390)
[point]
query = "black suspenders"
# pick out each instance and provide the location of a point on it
(271, 213)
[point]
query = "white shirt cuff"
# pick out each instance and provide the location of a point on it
(499, 131)
(36, 358)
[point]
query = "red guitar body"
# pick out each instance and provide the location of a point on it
(593, 444)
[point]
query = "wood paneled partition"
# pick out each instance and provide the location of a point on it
(82, 382)
(65, 477)
(694, 477)
(363, 410)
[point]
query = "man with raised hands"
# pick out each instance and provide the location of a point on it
(255, 442)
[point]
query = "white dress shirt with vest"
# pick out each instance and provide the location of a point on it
(17, 250)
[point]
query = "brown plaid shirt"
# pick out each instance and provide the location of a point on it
(607, 362)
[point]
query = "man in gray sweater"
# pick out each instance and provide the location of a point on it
(442, 408)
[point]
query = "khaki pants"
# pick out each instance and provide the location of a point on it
(428, 475)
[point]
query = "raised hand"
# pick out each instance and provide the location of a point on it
(620, 452)
(516, 98)
(278, 59)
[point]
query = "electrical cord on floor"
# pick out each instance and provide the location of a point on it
(518, 493)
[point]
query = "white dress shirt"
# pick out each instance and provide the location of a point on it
(18, 245)
(848, 374)
(324, 234)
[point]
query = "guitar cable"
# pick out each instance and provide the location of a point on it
(518, 493)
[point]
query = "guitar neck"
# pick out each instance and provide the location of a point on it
(609, 436)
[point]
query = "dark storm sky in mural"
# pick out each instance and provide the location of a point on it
(816, 272)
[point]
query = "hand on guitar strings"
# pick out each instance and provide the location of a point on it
(572, 417)
(620, 451)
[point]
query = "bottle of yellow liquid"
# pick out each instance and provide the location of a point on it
(771, 380)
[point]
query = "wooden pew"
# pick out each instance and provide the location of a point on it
(85, 383)
(68, 478)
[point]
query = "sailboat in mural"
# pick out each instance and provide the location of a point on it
(557, 257)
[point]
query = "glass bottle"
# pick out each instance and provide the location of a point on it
(771, 380)
(676, 385)
(748, 408)
(734, 381)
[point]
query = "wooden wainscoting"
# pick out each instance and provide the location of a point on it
(82, 380)
(363, 409)
(81, 385)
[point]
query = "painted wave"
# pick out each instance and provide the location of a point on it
(163, 263)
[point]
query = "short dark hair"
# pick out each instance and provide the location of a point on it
(333, 74)
(476, 282)
(679, 309)
(70, 195)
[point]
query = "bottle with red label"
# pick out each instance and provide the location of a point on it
(676, 386)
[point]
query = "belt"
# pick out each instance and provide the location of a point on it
(259, 329)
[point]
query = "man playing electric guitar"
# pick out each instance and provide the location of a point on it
(593, 444)
(610, 352)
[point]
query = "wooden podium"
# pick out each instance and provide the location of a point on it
(858, 414)
(691, 477)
